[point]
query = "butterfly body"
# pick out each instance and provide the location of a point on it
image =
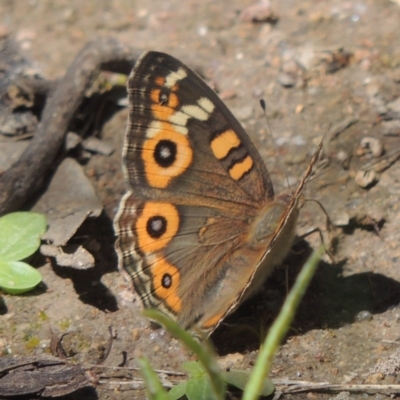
(200, 228)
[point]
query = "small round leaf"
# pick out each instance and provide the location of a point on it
(18, 277)
(20, 234)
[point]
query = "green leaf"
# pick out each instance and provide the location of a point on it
(199, 388)
(203, 351)
(280, 327)
(177, 391)
(239, 379)
(206, 381)
(18, 277)
(193, 368)
(20, 234)
(154, 389)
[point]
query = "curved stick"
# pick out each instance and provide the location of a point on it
(20, 182)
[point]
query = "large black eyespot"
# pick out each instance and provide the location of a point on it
(165, 153)
(156, 226)
(166, 281)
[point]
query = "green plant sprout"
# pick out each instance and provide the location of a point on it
(207, 378)
(20, 234)
(206, 381)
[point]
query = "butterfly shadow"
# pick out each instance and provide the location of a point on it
(331, 301)
(87, 283)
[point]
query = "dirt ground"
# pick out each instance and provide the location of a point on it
(322, 65)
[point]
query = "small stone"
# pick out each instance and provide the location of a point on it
(243, 113)
(363, 316)
(342, 219)
(286, 80)
(257, 92)
(316, 17)
(342, 155)
(264, 34)
(69, 256)
(391, 128)
(366, 179)
(394, 105)
(228, 94)
(230, 360)
(72, 140)
(4, 31)
(379, 104)
(393, 109)
(374, 379)
(372, 145)
(135, 334)
(95, 145)
(259, 12)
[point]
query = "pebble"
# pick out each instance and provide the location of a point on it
(4, 31)
(391, 128)
(243, 113)
(393, 109)
(77, 258)
(342, 156)
(227, 94)
(372, 145)
(342, 219)
(72, 140)
(394, 105)
(286, 80)
(363, 316)
(95, 145)
(259, 12)
(299, 108)
(366, 179)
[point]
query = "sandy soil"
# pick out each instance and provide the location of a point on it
(309, 86)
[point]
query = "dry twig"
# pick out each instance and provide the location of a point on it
(27, 176)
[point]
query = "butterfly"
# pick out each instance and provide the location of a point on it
(199, 228)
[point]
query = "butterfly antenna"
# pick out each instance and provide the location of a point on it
(264, 108)
(323, 143)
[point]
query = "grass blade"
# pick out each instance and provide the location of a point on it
(280, 327)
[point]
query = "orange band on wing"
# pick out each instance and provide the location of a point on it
(166, 279)
(212, 321)
(157, 175)
(222, 144)
(238, 170)
(163, 213)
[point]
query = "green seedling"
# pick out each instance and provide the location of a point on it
(20, 234)
(205, 380)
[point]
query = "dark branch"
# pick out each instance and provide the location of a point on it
(19, 183)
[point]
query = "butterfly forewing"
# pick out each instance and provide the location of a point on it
(182, 139)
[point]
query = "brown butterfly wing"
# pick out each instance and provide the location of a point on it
(197, 188)
(182, 142)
